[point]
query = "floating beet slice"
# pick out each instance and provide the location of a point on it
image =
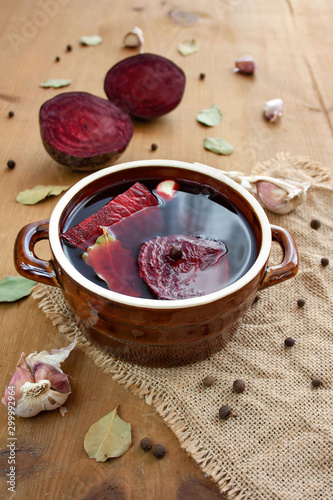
(145, 85)
(197, 269)
(83, 131)
(107, 257)
(131, 201)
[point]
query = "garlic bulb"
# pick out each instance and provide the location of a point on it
(134, 39)
(38, 382)
(246, 65)
(277, 195)
(273, 110)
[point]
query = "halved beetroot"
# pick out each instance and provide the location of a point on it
(131, 201)
(145, 85)
(197, 271)
(83, 131)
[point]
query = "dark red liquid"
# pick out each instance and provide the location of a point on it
(194, 211)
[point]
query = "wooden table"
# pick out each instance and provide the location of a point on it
(292, 43)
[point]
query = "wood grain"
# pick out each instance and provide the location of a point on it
(292, 43)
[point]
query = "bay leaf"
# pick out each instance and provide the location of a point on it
(188, 47)
(109, 437)
(91, 40)
(55, 83)
(14, 288)
(210, 117)
(39, 193)
(218, 146)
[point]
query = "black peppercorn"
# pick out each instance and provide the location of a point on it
(11, 114)
(225, 412)
(238, 386)
(57, 59)
(202, 76)
(315, 224)
(316, 382)
(159, 451)
(69, 48)
(11, 164)
(324, 261)
(154, 147)
(146, 444)
(301, 302)
(175, 252)
(208, 381)
(289, 342)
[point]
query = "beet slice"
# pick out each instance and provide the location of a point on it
(145, 85)
(107, 258)
(83, 131)
(131, 201)
(199, 270)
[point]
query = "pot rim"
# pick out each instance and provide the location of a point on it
(65, 264)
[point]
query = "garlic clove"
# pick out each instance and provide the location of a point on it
(58, 379)
(246, 65)
(134, 38)
(37, 397)
(21, 375)
(281, 196)
(273, 110)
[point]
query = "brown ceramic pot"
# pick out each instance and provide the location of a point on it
(147, 331)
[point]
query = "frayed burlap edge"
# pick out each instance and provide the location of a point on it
(316, 173)
(119, 370)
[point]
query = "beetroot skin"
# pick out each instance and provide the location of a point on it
(83, 131)
(145, 85)
(125, 204)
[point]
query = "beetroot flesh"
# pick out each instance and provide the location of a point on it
(125, 204)
(199, 271)
(145, 85)
(83, 131)
(107, 260)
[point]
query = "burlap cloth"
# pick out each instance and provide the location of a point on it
(280, 444)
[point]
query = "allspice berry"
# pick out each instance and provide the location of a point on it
(289, 342)
(154, 146)
(238, 386)
(225, 412)
(208, 381)
(11, 164)
(316, 382)
(301, 302)
(159, 451)
(146, 444)
(324, 261)
(11, 114)
(315, 224)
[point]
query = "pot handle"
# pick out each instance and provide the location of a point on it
(25, 259)
(289, 266)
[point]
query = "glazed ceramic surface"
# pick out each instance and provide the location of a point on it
(148, 331)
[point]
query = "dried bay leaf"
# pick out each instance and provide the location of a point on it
(109, 437)
(218, 146)
(91, 40)
(210, 117)
(55, 83)
(188, 47)
(14, 288)
(39, 193)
